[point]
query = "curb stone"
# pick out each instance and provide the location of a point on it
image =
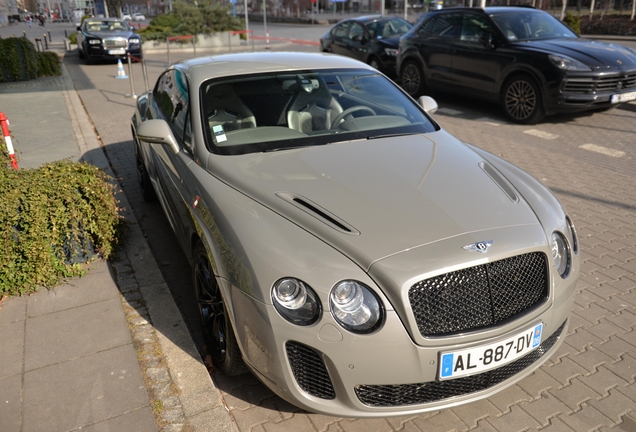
(162, 340)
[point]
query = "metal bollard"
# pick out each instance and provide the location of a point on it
(65, 34)
(168, 48)
(45, 42)
(132, 85)
(38, 41)
(24, 34)
(49, 32)
(145, 72)
(194, 46)
(229, 40)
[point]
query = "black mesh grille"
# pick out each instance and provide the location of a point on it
(602, 84)
(309, 371)
(412, 394)
(479, 296)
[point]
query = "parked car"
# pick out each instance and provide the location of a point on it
(126, 17)
(372, 39)
(107, 38)
(523, 58)
(354, 256)
(138, 16)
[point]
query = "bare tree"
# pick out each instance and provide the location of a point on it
(565, 6)
(633, 9)
(591, 9)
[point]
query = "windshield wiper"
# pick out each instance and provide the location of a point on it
(390, 135)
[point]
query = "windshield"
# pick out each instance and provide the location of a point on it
(275, 111)
(105, 26)
(530, 25)
(388, 28)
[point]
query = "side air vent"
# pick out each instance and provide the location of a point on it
(318, 212)
(501, 182)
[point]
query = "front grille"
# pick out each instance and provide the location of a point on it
(310, 371)
(600, 85)
(479, 296)
(412, 394)
(116, 43)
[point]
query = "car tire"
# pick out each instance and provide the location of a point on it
(216, 325)
(412, 78)
(522, 101)
(375, 63)
(147, 190)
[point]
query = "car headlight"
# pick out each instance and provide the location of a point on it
(567, 63)
(355, 307)
(575, 238)
(296, 301)
(134, 41)
(561, 254)
(391, 52)
(94, 41)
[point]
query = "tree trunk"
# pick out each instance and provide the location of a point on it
(565, 6)
(633, 9)
(591, 9)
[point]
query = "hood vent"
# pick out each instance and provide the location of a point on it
(501, 182)
(318, 212)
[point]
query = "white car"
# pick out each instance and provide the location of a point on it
(126, 17)
(138, 17)
(356, 257)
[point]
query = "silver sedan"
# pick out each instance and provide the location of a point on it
(349, 252)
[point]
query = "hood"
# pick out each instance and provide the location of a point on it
(110, 34)
(370, 199)
(598, 55)
(393, 42)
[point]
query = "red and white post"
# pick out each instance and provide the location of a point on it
(4, 122)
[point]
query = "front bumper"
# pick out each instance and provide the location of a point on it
(578, 93)
(98, 51)
(323, 368)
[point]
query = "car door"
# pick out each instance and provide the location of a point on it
(358, 42)
(477, 57)
(172, 104)
(435, 39)
(340, 35)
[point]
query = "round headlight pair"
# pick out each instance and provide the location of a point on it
(354, 306)
(561, 254)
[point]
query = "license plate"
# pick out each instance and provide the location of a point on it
(118, 51)
(624, 97)
(479, 359)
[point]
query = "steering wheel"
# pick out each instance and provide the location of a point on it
(348, 111)
(538, 32)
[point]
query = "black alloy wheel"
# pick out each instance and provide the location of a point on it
(215, 323)
(522, 100)
(412, 78)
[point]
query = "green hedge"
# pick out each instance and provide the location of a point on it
(19, 61)
(52, 220)
(190, 19)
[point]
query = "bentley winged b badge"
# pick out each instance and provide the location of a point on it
(481, 247)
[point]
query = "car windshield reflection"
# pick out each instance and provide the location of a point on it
(107, 26)
(528, 26)
(272, 111)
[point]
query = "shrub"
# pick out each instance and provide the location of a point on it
(53, 219)
(17, 59)
(72, 38)
(189, 19)
(48, 64)
(608, 25)
(574, 22)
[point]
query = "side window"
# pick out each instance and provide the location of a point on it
(172, 99)
(443, 25)
(341, 30)
(475, 27)
(356, 30)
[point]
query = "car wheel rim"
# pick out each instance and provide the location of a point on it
(374, 64)
(411, 79)
(211, 308)
(521, 100)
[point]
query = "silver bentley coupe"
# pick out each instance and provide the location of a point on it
(345, 249)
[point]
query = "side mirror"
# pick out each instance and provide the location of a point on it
(489, 40)
(428, 103)
(157, 132)
(79, 28)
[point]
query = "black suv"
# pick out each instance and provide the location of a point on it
(521, 57)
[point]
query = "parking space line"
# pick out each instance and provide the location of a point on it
(488, 121)
(603, 150)
(541, 134)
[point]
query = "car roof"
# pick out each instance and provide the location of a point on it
(370, 18)
(201, 69)
(493, 10)
(103, 19)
